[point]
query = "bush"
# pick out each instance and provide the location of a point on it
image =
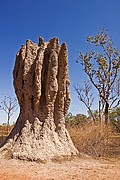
(73, 120)
(94, 140)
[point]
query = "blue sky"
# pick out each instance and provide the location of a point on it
(69, 20)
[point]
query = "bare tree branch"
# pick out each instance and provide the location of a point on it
(85, 96)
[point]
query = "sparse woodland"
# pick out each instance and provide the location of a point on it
(60, 90)
(97, 134)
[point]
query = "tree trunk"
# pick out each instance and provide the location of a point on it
(106, 113)
(100, 118)
(41, 83)
(8, 123)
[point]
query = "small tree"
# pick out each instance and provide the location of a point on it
(85, 96)
(9, 106)
(102, 68)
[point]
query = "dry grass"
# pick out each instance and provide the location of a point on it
(3, 129)
(2, 138)
(94, 140)
(4, 133)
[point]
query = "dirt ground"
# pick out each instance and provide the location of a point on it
(84, 168)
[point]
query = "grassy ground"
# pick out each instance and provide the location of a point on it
(87, 139)
(94, 140)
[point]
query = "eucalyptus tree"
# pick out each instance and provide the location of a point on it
(102, 66)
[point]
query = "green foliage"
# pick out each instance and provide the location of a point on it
(95, 113)
(73, 120)
(80, 119)
(115, 118)
(115, 114)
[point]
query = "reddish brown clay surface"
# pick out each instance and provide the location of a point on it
(79, 169)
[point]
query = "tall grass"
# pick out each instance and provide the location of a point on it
(94, 140)
(4, 132)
